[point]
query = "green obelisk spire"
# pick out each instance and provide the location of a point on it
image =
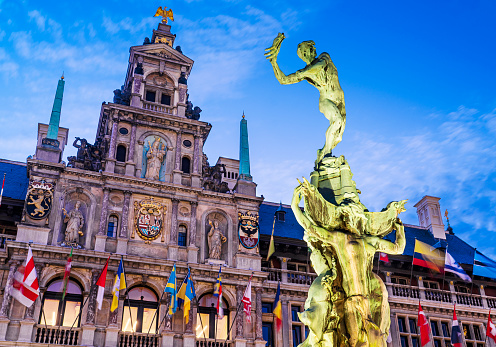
(53, 127)
(244, 151)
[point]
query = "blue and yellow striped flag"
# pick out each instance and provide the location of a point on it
(171, 288)
(119, 284)
(188, 297)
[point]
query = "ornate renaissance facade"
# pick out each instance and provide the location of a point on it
(145, 192)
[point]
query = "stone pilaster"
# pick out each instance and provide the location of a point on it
(192, 248)
(110, 165)
(130, 164)
(7, 299)
(177, 173)
(125, 215)
(196, 155)
(189, 326)
(258, 327)
(173, 247)
(101, 236)
(91, 312)
(240, 290)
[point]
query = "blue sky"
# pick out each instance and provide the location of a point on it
(418, 79)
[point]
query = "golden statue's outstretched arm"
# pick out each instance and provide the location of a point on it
(272, 53)
(389, 247)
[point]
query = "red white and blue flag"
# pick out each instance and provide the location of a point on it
(456, 334)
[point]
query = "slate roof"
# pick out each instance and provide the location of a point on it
(459, 249)
(16, 180)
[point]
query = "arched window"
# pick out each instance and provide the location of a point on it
(112, 226)
(61, 312)
(185, 164)
(139, 312)
(121, 153)
(207, 324)
(181, 236)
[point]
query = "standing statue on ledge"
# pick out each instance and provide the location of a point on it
(75, 223)
(155, 156)
(347, 304)
(323, 75)
(215, 240)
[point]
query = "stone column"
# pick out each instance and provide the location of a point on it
(196, 176)
(7, 299)
(483, 296)
(284, 269)
(123, 238)
(285, 324)
(173, 247)
(130, 164)
(192, 248)
(421, 287)
(90, 314)
(258, 328)
(101, 237)
(240, 290)
(177, 173)
(110, 165)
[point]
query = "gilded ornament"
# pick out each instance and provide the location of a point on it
(39, 199)
(149, 218)
(248, 230)
(165, 14)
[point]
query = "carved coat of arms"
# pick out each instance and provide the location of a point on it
(149, 219)
(39, 199)
(248, 230)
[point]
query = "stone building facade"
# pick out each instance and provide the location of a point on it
(144, 192)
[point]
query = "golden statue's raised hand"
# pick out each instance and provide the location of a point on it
(272, 52)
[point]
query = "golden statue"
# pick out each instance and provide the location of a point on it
(165, 13)
(347, 304)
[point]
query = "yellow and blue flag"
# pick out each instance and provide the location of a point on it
(171, 288)
(189, 295)
(218, 294)
(277, 311)
(119, 284)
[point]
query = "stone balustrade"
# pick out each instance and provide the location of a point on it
(290, 276)
(157, 107)
(127, 339)
(57, 335)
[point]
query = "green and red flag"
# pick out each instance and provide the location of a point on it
(67, 273)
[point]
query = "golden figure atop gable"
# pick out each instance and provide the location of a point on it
(165, 13)
(39, 199)
(149, 217)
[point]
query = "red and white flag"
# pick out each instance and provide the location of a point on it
(101, 285)
(247, 301)
(491, 329)
(425, 330)
(383, 257)
(25, 287)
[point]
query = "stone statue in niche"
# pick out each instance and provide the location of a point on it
(75, 223)
(155, 156)
(215, 240)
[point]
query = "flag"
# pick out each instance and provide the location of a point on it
(425, 331)
(119, 284)
(190, 294)
(490, 329)
(483, 266)
(25, 287)
(67, 273)
(218, 294)
(272, 247)
(1, 192)
(456, 334)
(181, 293)
(171, 288)
(427, 256)
(100, 283)
(277, 311)
(383, 257)
(450, 265)
(247, 301)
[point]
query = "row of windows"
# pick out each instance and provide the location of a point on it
(160, 97)
(441, 333)
(120, 156)
(230, 174)
(112, 230)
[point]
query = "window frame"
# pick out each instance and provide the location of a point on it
(141, 305)
(407, 334)
(179, 232)
(116, 226)
(120, 145)
(212, 314)
(62, 303)
(189, 164)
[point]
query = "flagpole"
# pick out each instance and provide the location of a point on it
(42, 308)
(127, 297)
(198, 307)
(85, 301)
(235, 316)
(158, 306)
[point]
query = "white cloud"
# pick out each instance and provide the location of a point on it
(126, 24)
(38, 18)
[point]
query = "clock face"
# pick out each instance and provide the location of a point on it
(149, 221)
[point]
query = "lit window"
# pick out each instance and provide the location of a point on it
(181, 236)
(139, 313)
(206, 323)
(112, 226)
(57, 312)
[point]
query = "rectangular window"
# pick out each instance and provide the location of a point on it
(294, 313)
(413, 325)
(401, 324)
(267, 334)
(296, 335)
(165, 99)
(181, 239)
(434, 329)
(414, 342)
(266, 307)
(71, 313)
(150, 96)
(111, 229)
(404, 341)
(446, 330)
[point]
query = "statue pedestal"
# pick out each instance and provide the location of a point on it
(167, 339)
(111, 336)
(192, 254)
(100, 243)
(26, 330)
(88, 335)
(215, 262)
(27, 233)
